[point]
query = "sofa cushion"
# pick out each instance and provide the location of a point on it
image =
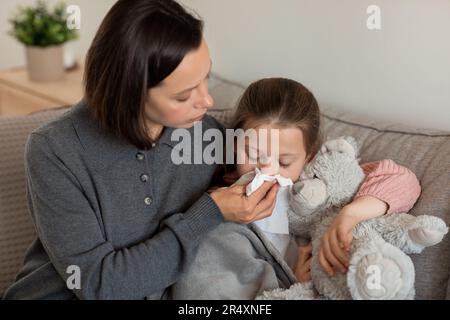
(16, 229)
(225, 93)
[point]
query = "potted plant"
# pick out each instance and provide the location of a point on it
(43, 32)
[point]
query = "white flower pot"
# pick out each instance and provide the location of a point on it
(45, 64)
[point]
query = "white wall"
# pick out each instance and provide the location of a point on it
(401, 73)
(11, 51)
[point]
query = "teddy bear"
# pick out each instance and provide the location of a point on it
(379, 266)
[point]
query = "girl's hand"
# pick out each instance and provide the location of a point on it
(338, 239)
(336, 243)
(237, 207)
(302, 269)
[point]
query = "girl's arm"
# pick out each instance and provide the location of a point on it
(392, 184)
(388, 188)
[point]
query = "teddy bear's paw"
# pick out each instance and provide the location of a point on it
(311, 193)
(380, 271)
(298, 291)
(301, 291)
(427, 231)
(275, 294)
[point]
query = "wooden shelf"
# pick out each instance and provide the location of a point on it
(21, 96)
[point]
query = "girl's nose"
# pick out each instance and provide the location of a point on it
(268, 166)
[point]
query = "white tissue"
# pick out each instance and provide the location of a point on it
(278, 222)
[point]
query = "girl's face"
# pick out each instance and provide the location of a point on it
(182, 98)
(292, 154)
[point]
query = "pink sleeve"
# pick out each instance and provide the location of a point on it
(391, 183)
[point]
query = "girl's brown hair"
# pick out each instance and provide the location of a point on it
(282, 102)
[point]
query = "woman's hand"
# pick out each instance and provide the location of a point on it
(336, 243)
(237, 207)
(302, 269)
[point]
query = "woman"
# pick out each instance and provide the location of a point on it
(107, 202)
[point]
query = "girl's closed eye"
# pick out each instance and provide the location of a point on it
(285, 165)
(183, 99)
(287, 160)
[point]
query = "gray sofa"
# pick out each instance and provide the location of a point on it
(426, 152)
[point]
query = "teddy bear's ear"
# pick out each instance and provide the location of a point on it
(346, 144)
(352, 141)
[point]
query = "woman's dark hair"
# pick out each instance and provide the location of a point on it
(138, 45)
(282, 102)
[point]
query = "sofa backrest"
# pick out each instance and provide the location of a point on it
(16, 229)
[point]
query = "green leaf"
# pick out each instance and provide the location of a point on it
(39, 26)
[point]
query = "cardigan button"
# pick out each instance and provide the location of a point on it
(144, 178)
(140, 156)
(148, 201)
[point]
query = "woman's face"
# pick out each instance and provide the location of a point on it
(292, 153)
(182, 98)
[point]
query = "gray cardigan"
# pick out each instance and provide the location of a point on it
(130, 219)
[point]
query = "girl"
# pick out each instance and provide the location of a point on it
(239, 262)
